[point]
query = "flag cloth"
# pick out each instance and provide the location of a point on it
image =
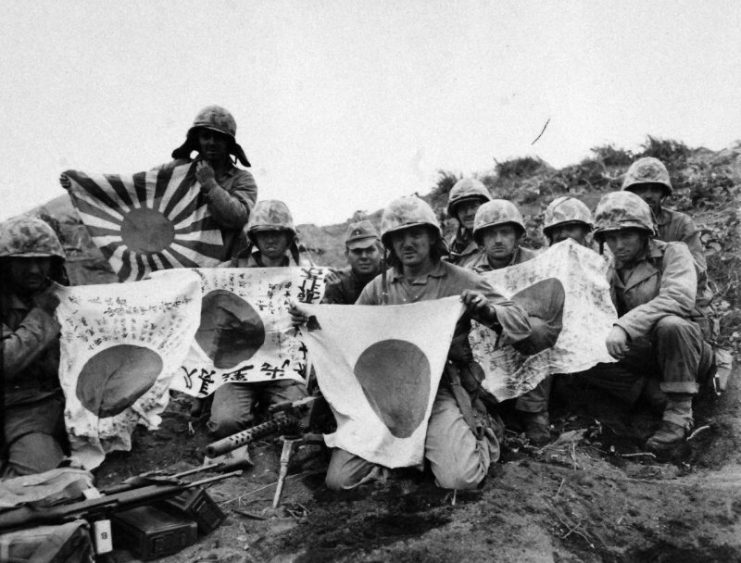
(566, 293)
(245, 333)
(153, 220)
(379, 368)
(120, 345)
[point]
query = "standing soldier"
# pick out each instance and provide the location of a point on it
(465, 198)
(31, 259)
(567, 217)
(654, 287)
(498, 229)
(460, 440)
(363, 252)
(271, 230)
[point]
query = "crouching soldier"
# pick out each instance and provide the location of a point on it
(567, 217)
(31, 257)
(461, 440)
(363, 253)
(271, 230)
(654, 287)
(498, 229)
(466, 196)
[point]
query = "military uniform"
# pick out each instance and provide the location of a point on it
(461, 244)
(459, 459)
(233, 407)
(33, 423)
(232, 199)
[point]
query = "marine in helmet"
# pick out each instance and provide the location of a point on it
(364, 253)
(567, 217)
(466, 196)
(31, 261)
(648, 178)
(654, 286)
(498, 228)
(272, 232)
(456, 446)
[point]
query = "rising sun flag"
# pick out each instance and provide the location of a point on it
(153, 220)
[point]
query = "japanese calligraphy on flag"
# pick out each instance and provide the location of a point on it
(121, 344)
(147, 221)
(379, 369)
(566, 293)
(245, 332)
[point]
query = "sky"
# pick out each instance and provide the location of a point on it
(345, 105)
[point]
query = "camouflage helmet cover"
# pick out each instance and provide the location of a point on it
(404, 213)
(464, 189)
(566, 210)
(270, 215)
(622, 210)
(29, 237)
(494, 213)
(214, 118)
(647, 170)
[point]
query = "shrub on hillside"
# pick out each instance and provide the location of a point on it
(609, 155)
(518, 167)
(666, 150)
(438, 197)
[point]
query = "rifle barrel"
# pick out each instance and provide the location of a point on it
(276, 425)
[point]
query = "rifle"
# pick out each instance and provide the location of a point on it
(140, 490)
(285, 419)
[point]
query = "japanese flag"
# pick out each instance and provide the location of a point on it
(379, 369)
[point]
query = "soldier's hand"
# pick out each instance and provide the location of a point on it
(298, 315)
(477, 305)
(64, 181)
(47, 300)
(331, 277)
(617, 342)
(205, 175)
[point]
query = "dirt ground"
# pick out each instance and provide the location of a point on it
(591, 495)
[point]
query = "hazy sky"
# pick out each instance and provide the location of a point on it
(344, 105)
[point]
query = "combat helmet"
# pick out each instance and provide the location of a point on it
(29, 237)
(406, 212)
(622, 210)
(566, 210)
(466, 189)
(214, 118)
(647, 170)
(270, 215)
(494, 213)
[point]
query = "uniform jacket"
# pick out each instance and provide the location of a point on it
(30, 340)
(462, 251)
(480, 263)
(346, 290)
(230, 203)
(443, 281)
(662, 283)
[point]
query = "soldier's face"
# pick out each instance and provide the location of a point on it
(572, 231)
(412, 246)
(273, 244)
(653, 194)
(364, 259)
(500, 242)
(466, 211)
(213, 146)
(29, 275)
(626, 245)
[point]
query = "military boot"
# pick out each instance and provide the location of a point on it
(677, 421)
(537, 427)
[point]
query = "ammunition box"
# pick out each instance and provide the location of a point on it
(197, 505)
(149, 532)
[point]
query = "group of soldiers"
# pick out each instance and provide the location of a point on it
(658, 278)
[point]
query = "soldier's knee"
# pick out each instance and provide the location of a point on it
(460, 480)
(222, 424)
(673, 324)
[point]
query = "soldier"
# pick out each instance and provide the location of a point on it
(460, 441)
(654, 288)
(271, 230)
(567, 217)
(31, 259)
(231, 192)
(363, 252)
(465, 198)
(498, 228)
